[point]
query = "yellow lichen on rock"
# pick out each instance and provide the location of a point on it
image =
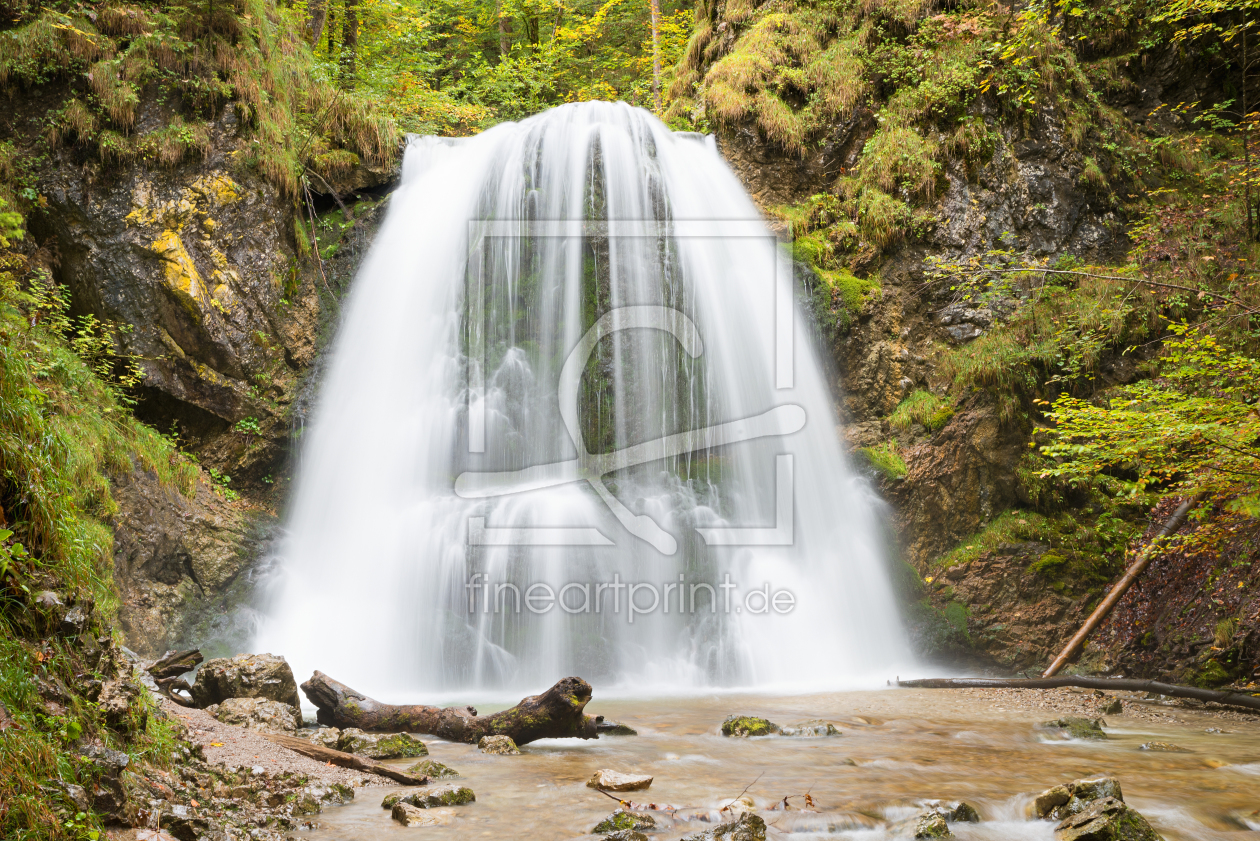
(179, 271)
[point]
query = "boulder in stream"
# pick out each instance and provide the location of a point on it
(437, 796)
(260, 714)
(748, 725)
(1062, 801)
(498, 746)
(955, 811)
(380, 746)
(1077, 728)
(815, 727)
(245, 676)
(621, 819)
(431, 768)
(409, 815)
(931, 825)
(747, 827)
(1106, 819)
(606, 780)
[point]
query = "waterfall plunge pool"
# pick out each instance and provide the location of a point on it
(898, 748)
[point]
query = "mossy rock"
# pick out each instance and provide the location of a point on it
(1077, 728)
(498, 746)
(931, 825)
(1107, 819)
(398, 746)
(391, 799)
(434, 769)
(621, 819)
(745, 726)
(432, 798)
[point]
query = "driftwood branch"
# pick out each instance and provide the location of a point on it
(174, 664)
(345, 760)
(1122, 586)
(1233, 699)
(555, 714)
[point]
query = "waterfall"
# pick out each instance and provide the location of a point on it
(570, 378)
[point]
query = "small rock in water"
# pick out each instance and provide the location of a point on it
(748, 828)
(606, 780)
(618, 835)
(1166, 747)
(816, 727)
(432, 798)
(621, 819)
(498, 745)
(957, 811)
(849, 761)
(1113, 708)
(391, 799)
(380, 746)
(747, 725)
(931, 825)
(1063, 801)
(409, 815)
(1077, 728)
(1107, 819)
(430, 768)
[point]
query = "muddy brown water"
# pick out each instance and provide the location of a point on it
(898, 748)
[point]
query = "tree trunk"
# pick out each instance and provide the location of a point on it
(656, 54)
(555, 714)
(349, 44)
(345, 760)
(317, 14)
(330, 27)
(1172, 690)
(503, 30)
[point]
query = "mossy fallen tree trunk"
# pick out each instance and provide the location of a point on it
(1172, 690)
(555, 714)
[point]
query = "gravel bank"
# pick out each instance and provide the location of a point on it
(234, 746)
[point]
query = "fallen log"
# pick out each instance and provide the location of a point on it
(1122, 586)
(345, 760)
(1172, 690)
(555, 714)
(174, 663)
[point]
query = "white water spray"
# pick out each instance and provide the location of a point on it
(571, 363)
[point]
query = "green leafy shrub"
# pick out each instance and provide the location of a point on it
(923, 408)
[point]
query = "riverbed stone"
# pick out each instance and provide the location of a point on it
(327, 737)
(434, 769)
(437, 796)
(932, 825)
(245, 676)
(380, 746)
(1164, 747)
(622, 819)
(748, 725)
(608, 780)
(1107, 819)
(498, 746)
(954, 811)
(747, 828)
(617, 835)
(815, 727)
(1077, 728)
(1114, 707)
(409, 815)
(1063, 801)
(260, 714)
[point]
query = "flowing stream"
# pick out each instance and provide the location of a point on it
(573, 423)
(898, 749)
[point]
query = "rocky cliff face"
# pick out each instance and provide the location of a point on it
(200, 268)
(199, 261)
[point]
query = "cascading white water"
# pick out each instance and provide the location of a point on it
(571, 360)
